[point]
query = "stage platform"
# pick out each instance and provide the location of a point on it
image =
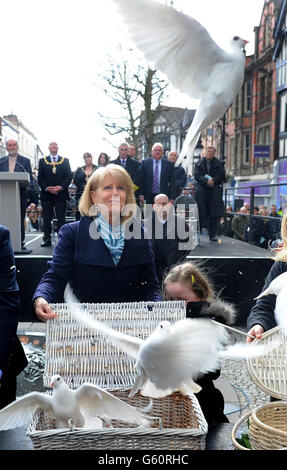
(237, 269)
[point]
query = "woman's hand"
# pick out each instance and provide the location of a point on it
(255, 332)
(43, 310)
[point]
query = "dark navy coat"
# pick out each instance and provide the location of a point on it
(210, 199)
(86, 263)
(11, 350)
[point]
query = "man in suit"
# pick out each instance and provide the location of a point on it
(12, 356)
(209, 173)
(179, 172)
(131, 166)
(54, 177)
(17, 163)
(156, 176)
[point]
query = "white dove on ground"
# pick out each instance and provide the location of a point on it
(173, 356)
(181, 48)
(83, 406)
(278, 287)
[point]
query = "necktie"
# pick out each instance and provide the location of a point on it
(123, 163)
(155, 178)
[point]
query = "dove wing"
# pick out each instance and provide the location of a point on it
(190, 349)
(176, 44)
(128, 344)
(20, 412)
(280, 311)
(95, 401)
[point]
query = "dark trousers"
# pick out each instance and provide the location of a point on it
(213, 226)
(23, 213)
(48, 214)
(8, 387)
(150, 198)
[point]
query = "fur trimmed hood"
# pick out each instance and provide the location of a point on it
(220, 308)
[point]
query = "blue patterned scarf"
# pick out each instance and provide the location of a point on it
(113, 238)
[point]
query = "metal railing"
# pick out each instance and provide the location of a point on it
(252, 205)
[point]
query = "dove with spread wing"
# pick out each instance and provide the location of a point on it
(181, 48)
(278, 287)
(174, 355)
(83, 406)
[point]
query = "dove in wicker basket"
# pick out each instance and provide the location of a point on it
(174, 355)
(82, 407)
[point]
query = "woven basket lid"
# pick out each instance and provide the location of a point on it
(79, 353)
(269, 372)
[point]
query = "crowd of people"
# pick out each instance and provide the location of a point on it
(260, 230)
(109, 252)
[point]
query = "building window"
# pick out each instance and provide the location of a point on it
(283, 113)
(267, 32)
(247, 142)
(263, 135)
(262, 91)
(247, 97)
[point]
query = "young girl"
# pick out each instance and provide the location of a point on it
(188, 282)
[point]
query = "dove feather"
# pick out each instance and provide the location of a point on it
(94, 400)
(170, 40)
(128, 344)
(20, 412)
(187, 351)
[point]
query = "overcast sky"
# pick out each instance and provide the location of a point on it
(51, 51)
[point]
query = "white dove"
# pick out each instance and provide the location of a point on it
(181, 48)
(79, 406)
(278, 287)
(173, 356)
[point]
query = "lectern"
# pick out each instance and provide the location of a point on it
(10, 207)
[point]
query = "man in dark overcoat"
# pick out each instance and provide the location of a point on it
(12, 357)
(54, 178)
(210, 175)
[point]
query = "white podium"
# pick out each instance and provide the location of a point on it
(10, 207)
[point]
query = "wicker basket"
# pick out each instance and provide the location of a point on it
(181, 425)
(268, 423)
(269, 372)
(80, 355)
(267, 427)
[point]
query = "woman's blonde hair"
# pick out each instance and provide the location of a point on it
(121, 177)
(193, 277)
(281, 255)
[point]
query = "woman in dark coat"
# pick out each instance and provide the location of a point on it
(188, 282)
(104, 256)
(81, 177)
(12, 356)
(262, 316)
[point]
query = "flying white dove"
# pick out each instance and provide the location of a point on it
(278, 287)
(181, 48)
(83, 406)
(173, 356)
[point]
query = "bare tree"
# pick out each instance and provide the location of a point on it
(139, 92)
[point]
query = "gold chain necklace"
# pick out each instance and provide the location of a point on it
(54, 164)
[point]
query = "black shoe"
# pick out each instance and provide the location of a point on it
(213, 239)
(44, 244)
